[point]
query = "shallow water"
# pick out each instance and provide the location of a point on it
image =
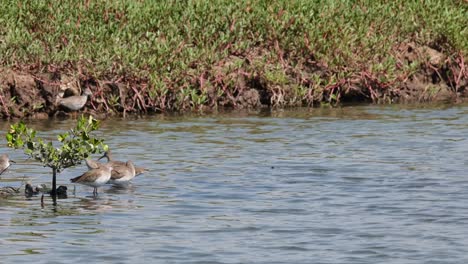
(351, 185)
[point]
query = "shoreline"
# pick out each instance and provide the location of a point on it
(440, 78)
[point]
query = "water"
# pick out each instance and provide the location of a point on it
(352, 185)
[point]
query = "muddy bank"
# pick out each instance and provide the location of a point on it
(435, 77)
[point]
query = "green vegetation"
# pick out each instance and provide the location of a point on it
(76, 146)
(182, 55)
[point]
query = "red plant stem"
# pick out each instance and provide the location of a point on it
(141, 102)
(462, 70)
(4, 106)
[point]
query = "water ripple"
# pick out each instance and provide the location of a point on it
(352, 185)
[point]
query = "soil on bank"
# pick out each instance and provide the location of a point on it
(436, 77)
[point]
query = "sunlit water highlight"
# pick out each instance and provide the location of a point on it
(351, 185)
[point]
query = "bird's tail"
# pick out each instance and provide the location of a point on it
(75, 179)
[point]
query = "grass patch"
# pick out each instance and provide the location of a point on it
(186, 54)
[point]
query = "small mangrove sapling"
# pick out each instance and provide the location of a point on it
(77, 145)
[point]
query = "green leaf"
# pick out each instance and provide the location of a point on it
(62, 137)
(19, 142)
(9, 137)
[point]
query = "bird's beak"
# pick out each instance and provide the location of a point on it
(13, 161)
(103, 156)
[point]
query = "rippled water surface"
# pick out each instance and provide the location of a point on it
(350, 185)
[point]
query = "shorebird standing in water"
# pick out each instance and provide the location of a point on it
(75, 102)
(5, 162)
(123, 172)
(95, 177)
